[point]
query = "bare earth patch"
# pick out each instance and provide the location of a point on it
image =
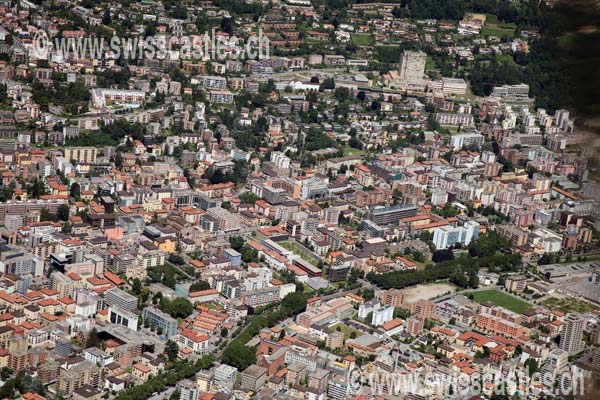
(427, 291)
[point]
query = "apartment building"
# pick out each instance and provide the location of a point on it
(391, 215)
(517, 236)
(161, 320)
(124, 300)
(83, 155)
(571, 339)
(448, 236)
(103, 97)
(214, 82)
(260, 297)
(515, 283)
(455, 119)
(467, 140)
(221, 96)
(253, 378)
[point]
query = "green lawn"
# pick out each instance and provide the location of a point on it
(492, 21)
(351, 151)
(566, 40)
(361, 39)
(297, 251)
(568, 305)
(498, 32)
(430, 64)
(502, 300)
(345, 329)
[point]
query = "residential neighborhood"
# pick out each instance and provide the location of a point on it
(298, 199)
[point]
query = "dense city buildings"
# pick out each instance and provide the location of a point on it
(218, 200)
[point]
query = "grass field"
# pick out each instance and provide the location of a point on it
(362, 39)
(351, 151)
(492, 20)
(493, 27)
(430, 64)
(502, 300)
(568, 305)
(296, 250)
(498, 32)
(345, 329)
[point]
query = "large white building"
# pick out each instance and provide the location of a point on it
(456, 86)
(117, 315)
(214, 82)
(382, 315)
(102, 97)
(520, 90)
(455, 119)
(467, 140)
(280, 160)
(448, 236)
(572, 334)
(379, 314)
(412, 66)
(220, 96)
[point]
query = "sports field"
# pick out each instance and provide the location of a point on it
(502, 300)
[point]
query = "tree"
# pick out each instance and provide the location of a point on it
(342, 93)
(518, 350)
(37, 189)
(176, 259)
(5, 373)
(249, 254)
(483, 354)
(7, 390)
(63, 212)
(2, 93)
(119, 161)
(106, 19)
(217, 176)
(248, 198)
(236, 242)
(156, 298)
(67, 228)
(171, 350)
(75, 191)
(25, 383)
(226, 25)
(45, 215)
(239, 355)
(178, 308)
(179, 12)
(224, 332)
(93, 339)
(367, 294)
(198, 286)
(532, 366)
(169, 280)
(316, 140)
(136, 286)
(327, 84)
(295, 301)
